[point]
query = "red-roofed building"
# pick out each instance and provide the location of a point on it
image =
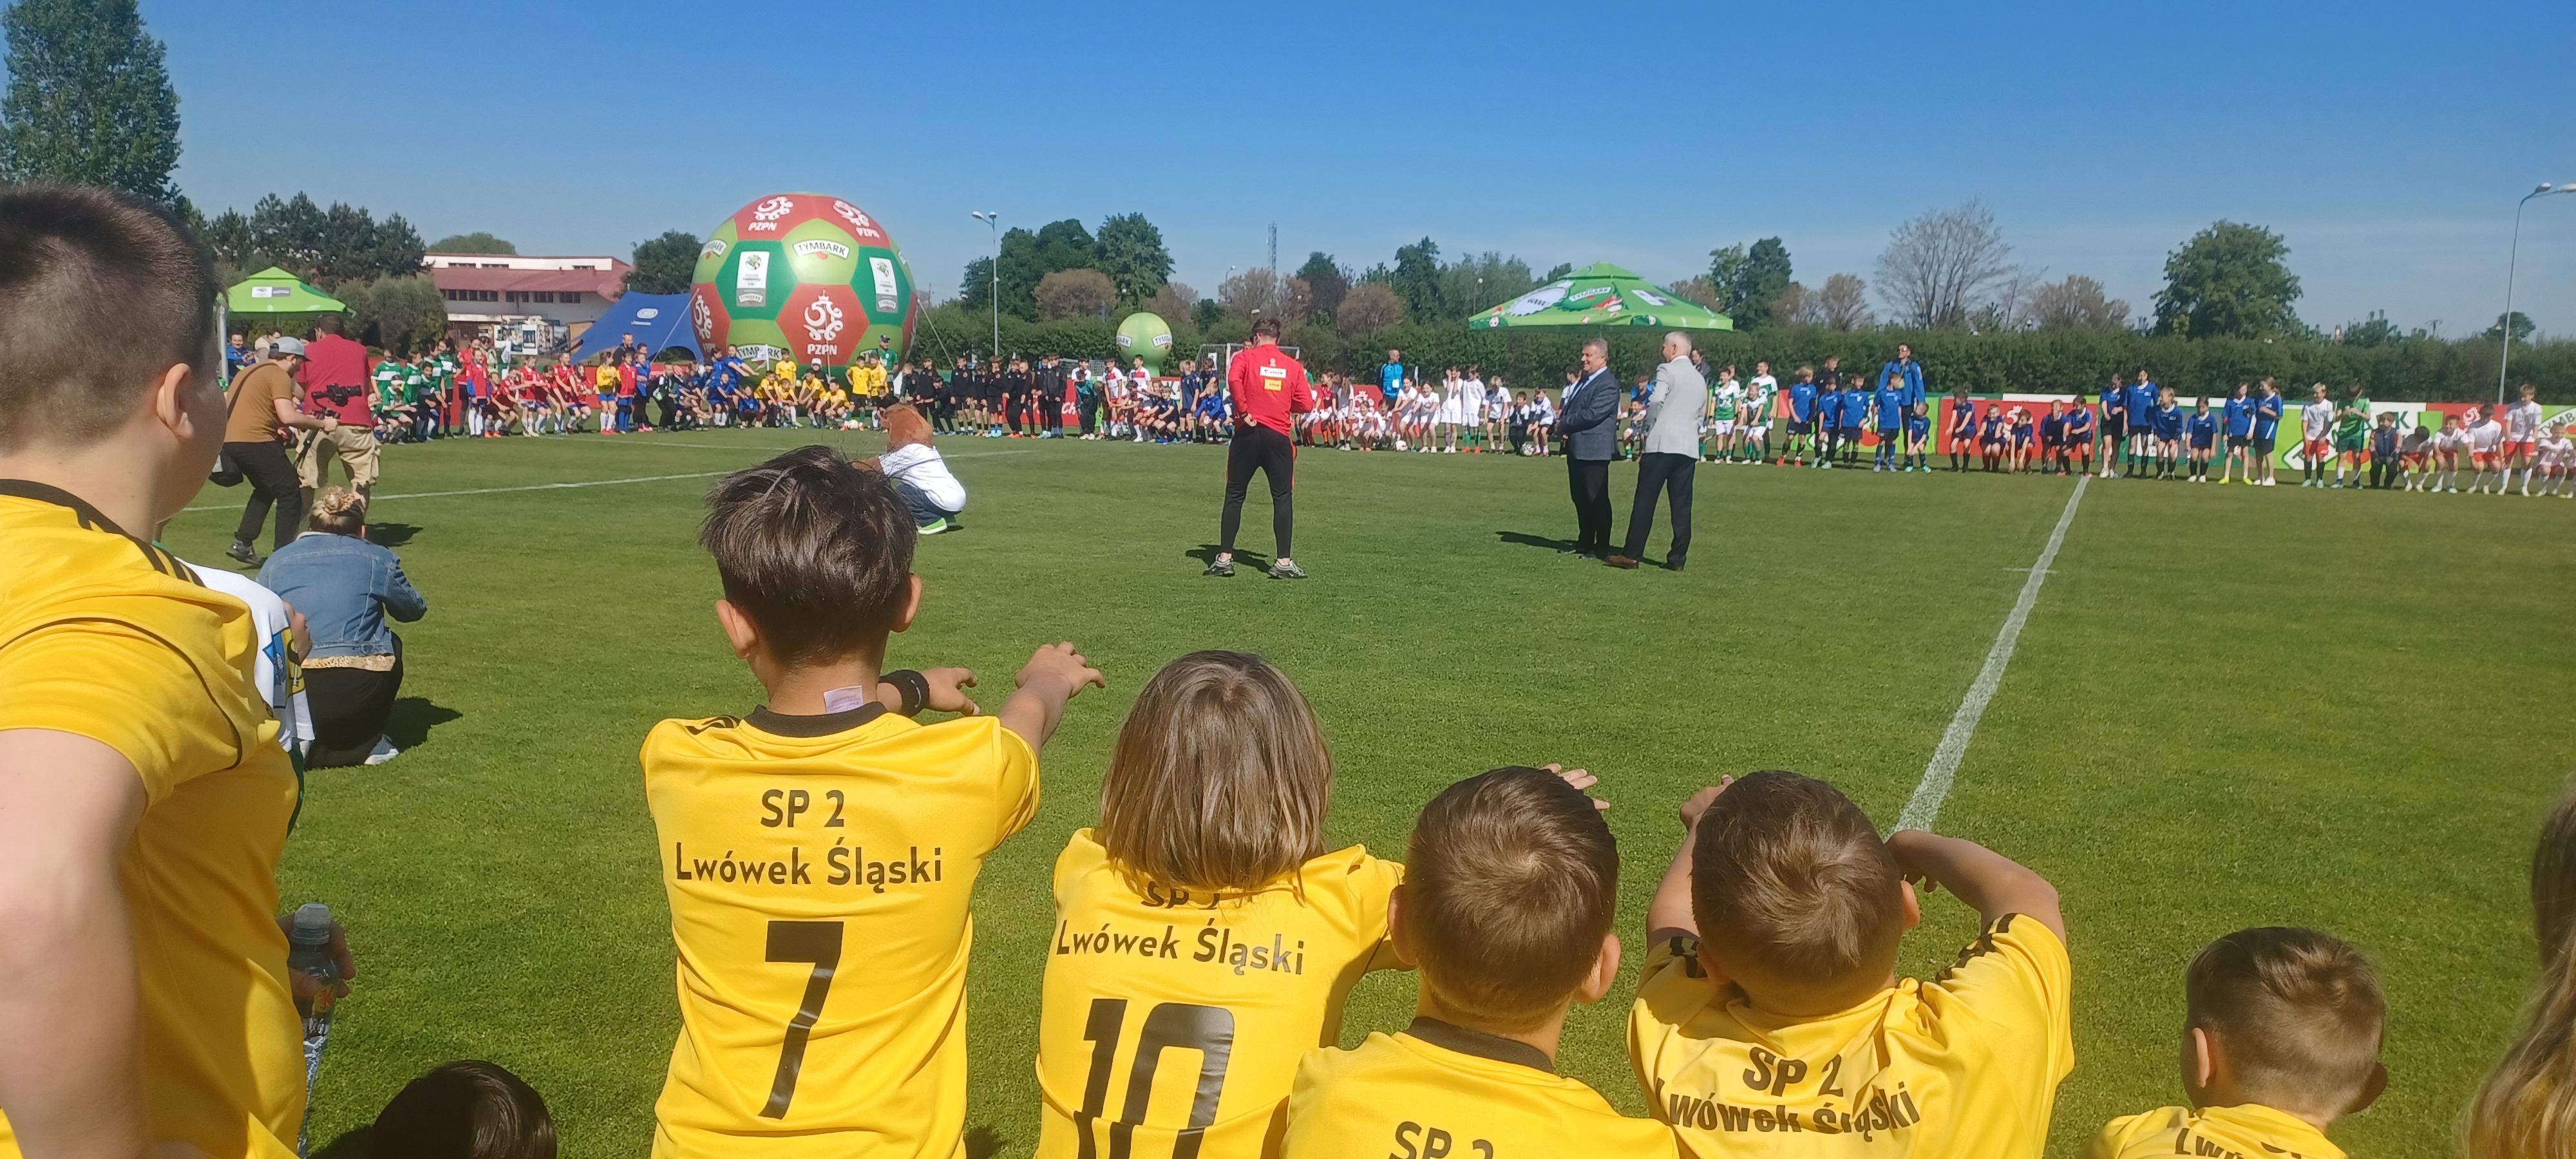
(533, 301)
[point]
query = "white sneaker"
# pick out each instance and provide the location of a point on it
(385, 751)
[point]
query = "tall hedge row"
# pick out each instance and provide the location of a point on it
(2064, 361)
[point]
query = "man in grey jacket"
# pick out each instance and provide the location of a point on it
(1589, 422)
(1674, 414)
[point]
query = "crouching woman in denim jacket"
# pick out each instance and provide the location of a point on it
(345, 587)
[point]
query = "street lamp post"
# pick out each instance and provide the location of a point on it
(994, 221)
(2504, 326)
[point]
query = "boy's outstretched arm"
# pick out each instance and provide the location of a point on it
(1993, 883)
(1051, 677)
(1669, 914)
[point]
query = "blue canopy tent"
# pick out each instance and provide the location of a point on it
(659, 322)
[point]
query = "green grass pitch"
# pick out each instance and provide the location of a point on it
(2229, 708)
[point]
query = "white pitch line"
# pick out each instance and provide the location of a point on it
(589, 483)
(1935, 786)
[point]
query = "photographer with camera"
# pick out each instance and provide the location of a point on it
(336, 384)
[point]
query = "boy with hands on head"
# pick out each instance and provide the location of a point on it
(824, 835)
(1769, 1019)
(1511, 886)
(2281, 1037)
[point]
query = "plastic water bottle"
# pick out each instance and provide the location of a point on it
(308, 949)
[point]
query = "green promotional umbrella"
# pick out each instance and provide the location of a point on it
(1601, 295)
(274, 291)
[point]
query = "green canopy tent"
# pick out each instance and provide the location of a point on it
(274, 291)
(1601, 295)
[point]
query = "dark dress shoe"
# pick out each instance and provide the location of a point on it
(1623, 563)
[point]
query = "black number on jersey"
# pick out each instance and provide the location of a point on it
(1208, 1030)
(820, 944)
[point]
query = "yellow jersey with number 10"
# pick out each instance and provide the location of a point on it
(1965, 1064)
(819, 870)
(1174, 1020)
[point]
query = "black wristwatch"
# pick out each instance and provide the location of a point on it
(915, 689)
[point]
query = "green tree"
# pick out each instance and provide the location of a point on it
(1326, 280)
(1416, 281)
(2229, 281)
(1028, 257)
(472, 243)
(664, 265)
(1750, 282)
(1130, 250)
(975, 285)
(401, 314)
(1560, 270)
(1476, 283)
(330, 246)
(2522, 327)
(89, 99)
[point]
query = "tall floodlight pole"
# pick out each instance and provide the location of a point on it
(2505, 326)
(994, 221)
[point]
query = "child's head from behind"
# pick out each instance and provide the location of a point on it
(2288, 1018)
(815, 555)
(1797, 899)
(1219, 778)
(1509, 889)
(464, 1110)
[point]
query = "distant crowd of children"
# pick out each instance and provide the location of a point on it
(820, 851)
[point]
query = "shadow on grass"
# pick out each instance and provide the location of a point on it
(352, 1144)
(1205, 553)
(983, 1143)
(413, 717)
(391, 534)
(1525, 539)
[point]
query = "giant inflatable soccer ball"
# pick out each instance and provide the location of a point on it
(1145, 335)
(804, 276)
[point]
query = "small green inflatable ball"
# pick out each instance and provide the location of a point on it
(1147, 336)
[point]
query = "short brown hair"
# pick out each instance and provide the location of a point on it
(1219, 779)
(1510, 883)
(100, 294)
(464, 1110)
(1791, 876)
(1266, 328)
(815, 550)
(2300, 1013)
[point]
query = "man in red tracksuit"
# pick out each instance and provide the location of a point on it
(1268, 386)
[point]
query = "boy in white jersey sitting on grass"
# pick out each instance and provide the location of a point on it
(1769, 1020)
(1511, 883)
(825, 836)
(2281, 1037)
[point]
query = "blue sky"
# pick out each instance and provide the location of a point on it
(2386, 142)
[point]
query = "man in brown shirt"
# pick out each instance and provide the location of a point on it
(261, 410)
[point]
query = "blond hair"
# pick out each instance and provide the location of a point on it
(338, 510)
(1219, 779)
(2527, 1109)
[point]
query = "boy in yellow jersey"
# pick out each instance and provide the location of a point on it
(2281, 1037)
(144, 795)
(604, 384)
(1510, 885)
(820, 852)
(1769, 1020)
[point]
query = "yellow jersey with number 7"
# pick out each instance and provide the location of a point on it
(1174, 1019)
(819, 870)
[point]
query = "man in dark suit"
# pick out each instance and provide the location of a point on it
(1589, 422)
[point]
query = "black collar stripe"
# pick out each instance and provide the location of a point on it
(1450, 1036)
(827, 724)
(90, 519)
